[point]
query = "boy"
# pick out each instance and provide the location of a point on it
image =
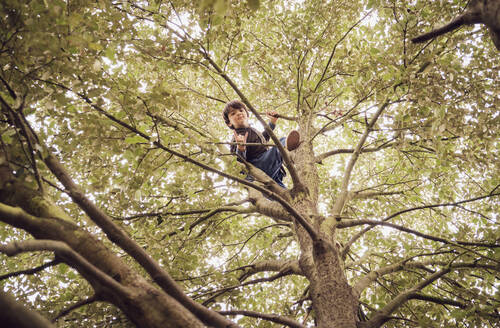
(268, 159)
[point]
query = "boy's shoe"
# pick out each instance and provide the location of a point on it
(293, 140)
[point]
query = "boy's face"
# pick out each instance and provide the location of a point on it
(238, 118)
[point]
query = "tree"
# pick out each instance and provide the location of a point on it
(122, 204)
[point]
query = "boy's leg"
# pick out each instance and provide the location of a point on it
(270, 162)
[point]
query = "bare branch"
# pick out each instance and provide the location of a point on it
(320, 158)
(33, 270)
(73, 307)
(359, 234)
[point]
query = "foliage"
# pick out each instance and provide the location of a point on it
(117, 89)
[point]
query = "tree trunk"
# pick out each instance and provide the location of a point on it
(334, 304)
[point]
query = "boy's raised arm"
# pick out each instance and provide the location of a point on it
(273, 117)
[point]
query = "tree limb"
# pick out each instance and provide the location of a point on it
(122, 239)
(353, 223)
(14, 314)
(65, 252)
(383, 315)
(291, 267)
(328, 224)
(438, 300)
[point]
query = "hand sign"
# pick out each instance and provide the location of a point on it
(241, 138)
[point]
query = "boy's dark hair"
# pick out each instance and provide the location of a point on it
(233, 104)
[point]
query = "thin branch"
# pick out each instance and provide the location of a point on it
(414, 232)
(320, 158)
(31, 271)
(251, 282)
(335, 48)
(73, 307)
(209, 215)
(357, 151)
(408, 264)
(438, 300)
(268, 317)
(362, 232)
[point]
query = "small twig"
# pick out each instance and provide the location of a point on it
(73, 307)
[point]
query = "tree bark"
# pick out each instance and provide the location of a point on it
(14, 314)
(334, 304)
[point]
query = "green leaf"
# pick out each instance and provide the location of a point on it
(135, 139)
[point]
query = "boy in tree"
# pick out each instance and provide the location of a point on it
(268, 159)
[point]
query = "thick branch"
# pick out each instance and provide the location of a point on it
(13, 314)
(438, 300)
(66, 253)
(368, 279)
(454, 24)
(289, 267)
(384, 315)
(122, 239)
(341, 200)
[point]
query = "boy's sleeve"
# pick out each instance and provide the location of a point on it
(265, 134)
(241, 153)
(235, 150)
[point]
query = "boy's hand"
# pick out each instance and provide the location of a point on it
(273, 116)
(241, 138)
